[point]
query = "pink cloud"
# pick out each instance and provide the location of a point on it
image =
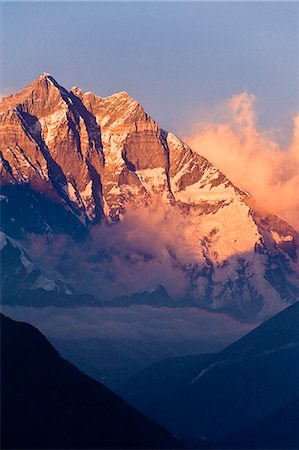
(252, 159)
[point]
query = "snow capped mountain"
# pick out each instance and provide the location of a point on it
(98, 154)
(93, 159)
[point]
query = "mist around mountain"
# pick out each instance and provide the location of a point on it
(47, 403)
(101, 206)
(112, 343)
(246, 396)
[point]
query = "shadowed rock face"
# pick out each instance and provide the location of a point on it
(91, 159)
(48, 403)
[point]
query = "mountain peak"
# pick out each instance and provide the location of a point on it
(39, 89)
(121, 96)
(77, 91)
(45, 75)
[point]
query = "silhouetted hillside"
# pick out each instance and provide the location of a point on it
(48, 403)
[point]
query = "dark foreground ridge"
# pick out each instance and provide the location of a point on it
(47, 403)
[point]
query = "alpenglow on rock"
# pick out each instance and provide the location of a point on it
(90, 159)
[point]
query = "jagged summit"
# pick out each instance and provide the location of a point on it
(121, 94)
(35, 92)
(98, 157)
(32, 84)
(42, 76)
(77, 91)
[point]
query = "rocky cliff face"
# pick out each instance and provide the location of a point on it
(91, 158)
(98, 154)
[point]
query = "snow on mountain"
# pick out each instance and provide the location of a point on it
(96, 157)
(24, 281)
(17, 265)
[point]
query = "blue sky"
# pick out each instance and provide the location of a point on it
(177, 58)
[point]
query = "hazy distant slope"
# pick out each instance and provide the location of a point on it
(278, 429)
(243, 387)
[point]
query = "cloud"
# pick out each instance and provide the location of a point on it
(252, 159)
(135, 323)
(153, 245)
(134, 255)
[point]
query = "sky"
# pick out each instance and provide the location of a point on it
(178, 59)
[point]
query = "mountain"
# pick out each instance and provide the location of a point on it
(277, 430)
(156, 297)
(48, 403)
(112, 361)
(25, 282)
(73, 162)
(246, 396)
(17, 268)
